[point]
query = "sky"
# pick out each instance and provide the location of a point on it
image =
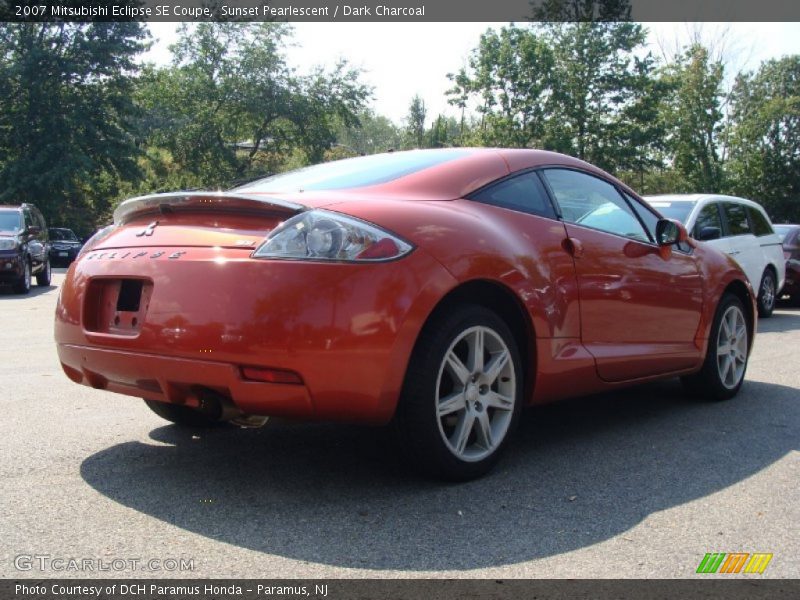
(402, 59)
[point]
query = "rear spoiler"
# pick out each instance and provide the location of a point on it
(167, 203)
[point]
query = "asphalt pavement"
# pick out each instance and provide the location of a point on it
(641, 483)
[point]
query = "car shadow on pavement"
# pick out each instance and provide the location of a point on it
(7, 291)
(579, 473)
(783, 319)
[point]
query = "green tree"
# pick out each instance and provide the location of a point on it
(373, 133)
(693, 116)
(765, 137)
(603, 96)
(581, 10)
(229, 106)
(444, 133)
(510, 77)
(415, 123)
(67, 124)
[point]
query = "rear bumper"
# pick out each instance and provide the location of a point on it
(55, 254)
(347, 330)
(177, 380)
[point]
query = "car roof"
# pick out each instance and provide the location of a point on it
(703, 197)
(466, 170)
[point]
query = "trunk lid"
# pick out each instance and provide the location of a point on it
(199, 219)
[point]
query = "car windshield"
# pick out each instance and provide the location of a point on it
(353, 172)
(673, 209)
(10, 220)
(64, 235)
(782, 230)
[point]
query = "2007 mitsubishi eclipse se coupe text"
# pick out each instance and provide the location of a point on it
(441, 289)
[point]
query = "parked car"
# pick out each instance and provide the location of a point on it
(24, 247)
(790, 239)
(738, 227)
(441, 289)
(64, 247)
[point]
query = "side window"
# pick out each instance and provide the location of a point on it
(591, 202)
(524, 193)
(40, 222)
(28, 218)
(759, 222)
(736, 216)
(708, 225)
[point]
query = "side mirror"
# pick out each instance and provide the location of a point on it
(709, 233)
(34, 230)
(669, 232)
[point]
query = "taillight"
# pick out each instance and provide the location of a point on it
(96, 239)
(326, 235)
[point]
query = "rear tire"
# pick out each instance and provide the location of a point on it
(726, 358)
(767, 294)
(462, 395)
(182, 415)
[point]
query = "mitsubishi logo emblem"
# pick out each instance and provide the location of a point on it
(148, 231)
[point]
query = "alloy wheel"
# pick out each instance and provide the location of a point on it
(476, 394)
(732, 347)
(768, 292)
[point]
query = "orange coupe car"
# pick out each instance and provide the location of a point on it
(441, 289)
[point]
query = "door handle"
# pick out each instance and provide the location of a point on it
(733, 252)
(573, 247)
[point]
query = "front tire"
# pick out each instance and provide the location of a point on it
(182, 415)
(43, 278)
(462, 395)
(726, 358)
(23, 284)
(767, 294)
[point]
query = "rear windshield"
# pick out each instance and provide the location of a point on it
(353, 172)
(9, 220)
(673, 209)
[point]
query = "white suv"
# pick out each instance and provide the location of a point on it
(738, 227)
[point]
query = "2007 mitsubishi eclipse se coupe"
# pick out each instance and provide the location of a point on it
(442, 289)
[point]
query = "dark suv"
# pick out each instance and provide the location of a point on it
(64, 246)
(24, 247)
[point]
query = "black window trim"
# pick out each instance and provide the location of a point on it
(750, 210)
(555, 213)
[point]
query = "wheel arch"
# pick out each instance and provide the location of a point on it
(771, 267)
(739, 289)
(508, 306)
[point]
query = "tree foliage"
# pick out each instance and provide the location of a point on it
(603, 95)
(510, 77)
(415, 123)
(230, 107)
(765, 137)
(581, 10)
(694, 118)
(67, 124)
(84, 124)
